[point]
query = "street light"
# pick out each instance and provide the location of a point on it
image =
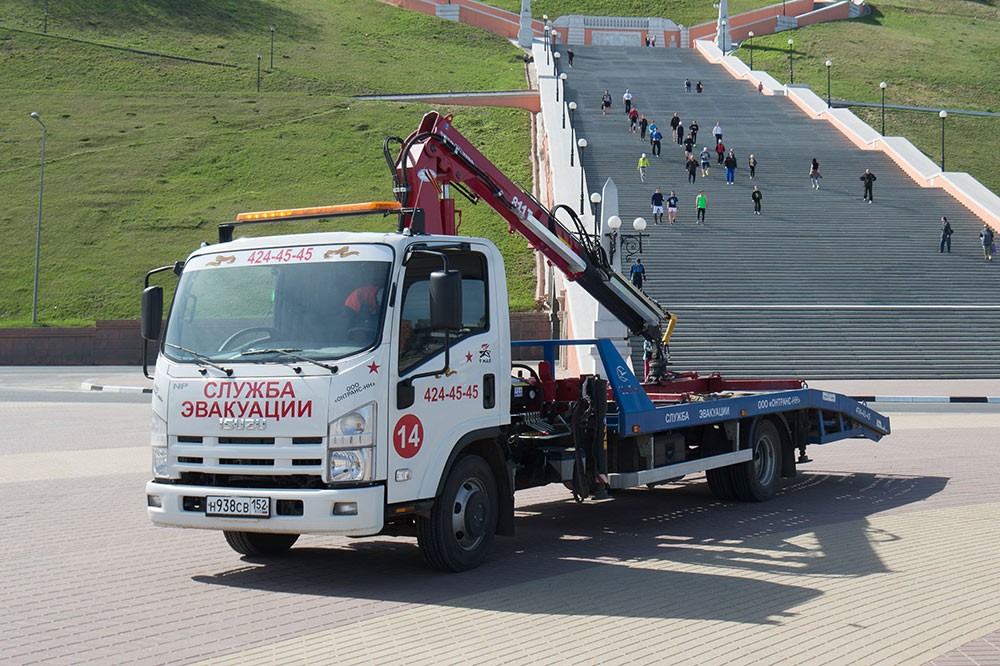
(614, 223)
(581, 143)
(723, 24)
(272, 47)
(258, 71)
(791, 70)
(750, 35)
(829, 64)
(631, 244)
(562, 78)
(572, 145)
(595, 200)
(545, 37)
(942, 115)
(38, 229)
(883, 87)
(572, 108)
(555, 61)
(554, 34)
(45, 24)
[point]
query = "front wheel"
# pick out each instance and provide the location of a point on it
(260, 543)
(459, 532)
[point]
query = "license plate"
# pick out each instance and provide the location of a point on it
(239, 507)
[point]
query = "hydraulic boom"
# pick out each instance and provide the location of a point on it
(437, 158)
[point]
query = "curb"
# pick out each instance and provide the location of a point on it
(935, 399)
(87, 386)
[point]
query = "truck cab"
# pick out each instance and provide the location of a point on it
(305, 383)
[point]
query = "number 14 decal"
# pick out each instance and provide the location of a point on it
(408, 436)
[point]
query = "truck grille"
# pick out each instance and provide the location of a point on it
(249, 462)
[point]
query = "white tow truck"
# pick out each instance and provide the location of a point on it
(363, 383)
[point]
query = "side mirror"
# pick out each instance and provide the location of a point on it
(446, 300)
(152, 312)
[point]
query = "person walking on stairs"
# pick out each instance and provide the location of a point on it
(672, 207)
(986, 236)
(945, 234)
(701, 203)
(706, 161)
(868, 178)
(655, 137)
(692, 169)
(643, 165)
(730, 165)
(656, 203)
(637, 274)
(756, 196)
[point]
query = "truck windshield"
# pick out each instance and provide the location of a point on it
(321, 309)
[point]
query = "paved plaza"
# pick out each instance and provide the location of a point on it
(876, 554)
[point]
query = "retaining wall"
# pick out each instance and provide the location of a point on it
(117, 342)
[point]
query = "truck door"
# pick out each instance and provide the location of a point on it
(446, 405)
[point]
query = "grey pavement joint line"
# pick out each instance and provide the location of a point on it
(88, 386)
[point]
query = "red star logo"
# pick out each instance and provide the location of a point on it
(468, 357)
(373, 368)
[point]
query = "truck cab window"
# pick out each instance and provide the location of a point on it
(417, 341)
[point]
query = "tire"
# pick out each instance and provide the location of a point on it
(720, 481)
(459, 533)
(758, 479)
(258, 544)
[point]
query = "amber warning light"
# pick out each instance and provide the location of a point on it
(367, 208)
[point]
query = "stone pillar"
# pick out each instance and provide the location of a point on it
(722, 37)
(525, 34)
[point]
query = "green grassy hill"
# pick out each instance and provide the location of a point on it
(931, 54)
(146, 155)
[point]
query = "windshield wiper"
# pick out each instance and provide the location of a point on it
(291, 353)
(201, 359)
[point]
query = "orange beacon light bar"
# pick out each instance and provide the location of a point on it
(367, 208)
(311, 213)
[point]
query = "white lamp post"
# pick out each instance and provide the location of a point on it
(38, 229)
(791, 69)
(829, 64)
(942, 115)
(883, 86)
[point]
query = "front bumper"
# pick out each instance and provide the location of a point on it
(317, 509)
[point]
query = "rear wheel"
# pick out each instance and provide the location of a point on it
(260, 543)
(720, 481)
(758, 479)
(460, 530)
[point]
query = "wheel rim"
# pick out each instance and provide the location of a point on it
(469, 514)
(765, 461)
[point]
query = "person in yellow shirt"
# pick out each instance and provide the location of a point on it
(643, 164)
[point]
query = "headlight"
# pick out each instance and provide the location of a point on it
(351, 464)
(351, 445)
(158, 441)
(161, 463)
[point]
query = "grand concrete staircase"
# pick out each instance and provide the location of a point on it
(821, 285)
